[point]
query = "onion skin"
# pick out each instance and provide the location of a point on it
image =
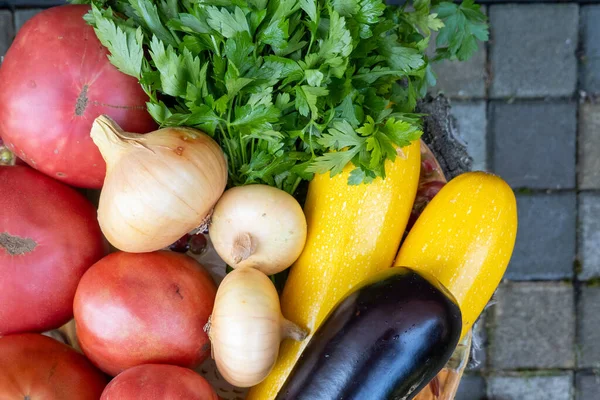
(56, 78)
(158, 186)
(258, 226)
(247, 327)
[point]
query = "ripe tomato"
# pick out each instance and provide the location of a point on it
(33, 367)
(144, 308)
(158, 382)
(49, 237)
(56, 79)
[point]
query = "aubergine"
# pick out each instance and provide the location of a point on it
(385, 341)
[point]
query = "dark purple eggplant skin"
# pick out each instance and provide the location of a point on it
(384, 341)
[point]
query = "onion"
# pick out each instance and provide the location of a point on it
(246, 327)
(258, 226)
(158, 186)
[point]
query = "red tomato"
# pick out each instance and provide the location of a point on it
(158, 382)
(49, 237)
(37, 367)
(145, 308)
(56, 79)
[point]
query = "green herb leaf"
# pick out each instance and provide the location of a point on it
(123, 42)
(288, 88)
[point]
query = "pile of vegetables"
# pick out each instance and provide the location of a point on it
(277, 136)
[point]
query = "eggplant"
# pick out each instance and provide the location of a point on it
(385, 341)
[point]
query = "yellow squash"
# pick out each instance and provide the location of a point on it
(465, 238)
(353, 232)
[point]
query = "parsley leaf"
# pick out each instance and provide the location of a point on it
(125, 42)
(288, 88)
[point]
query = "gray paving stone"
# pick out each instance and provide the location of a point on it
(465, 79)
(590, 65)
(526, 387)
(22, 16)
(472, 387)
(545, 246)
(587, 386)
(7, 31)
(534, 143)
(589, 235)
(533, 49)
(533, 326)
(589, 144)
(472, 124)
(588, 345)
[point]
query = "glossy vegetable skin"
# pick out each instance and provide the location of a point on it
(465, 238)
(49, 237)
(158, 382)
(56, 78)
(353, 232)
(386, 340)
(37, 367)
(143, 308)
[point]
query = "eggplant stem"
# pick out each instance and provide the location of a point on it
(243, 247)
(293, 331)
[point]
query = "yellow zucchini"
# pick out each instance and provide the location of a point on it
(465, 238)
(353, 232)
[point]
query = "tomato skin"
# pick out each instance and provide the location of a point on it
(33, 366)
(158, 382)
(54, 61)
(144, 308)
(37, 287)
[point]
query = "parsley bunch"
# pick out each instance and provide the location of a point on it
(288, 88)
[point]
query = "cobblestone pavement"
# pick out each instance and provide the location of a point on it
(528, 104)
(529, 108)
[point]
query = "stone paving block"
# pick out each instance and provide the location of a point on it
(534, 143)
(587, 386)
(590, 64)
(22, 16)
(7, 31)
(472, 387)
(533, 326)
(589, 235)
(545, 246)
(589, 144)
(533, 49)
(472, 124)
(588, 345)
(465, 79)
(527, 387)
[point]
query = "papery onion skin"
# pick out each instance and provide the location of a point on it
(158, 186)
(258, 226)
(247, 327)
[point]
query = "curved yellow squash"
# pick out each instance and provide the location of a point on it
(353, 232)
(465, 238)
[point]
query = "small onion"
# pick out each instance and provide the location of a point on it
(246, 327)
(158, 186)
(258, 226)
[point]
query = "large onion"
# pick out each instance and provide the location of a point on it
(158, 186)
